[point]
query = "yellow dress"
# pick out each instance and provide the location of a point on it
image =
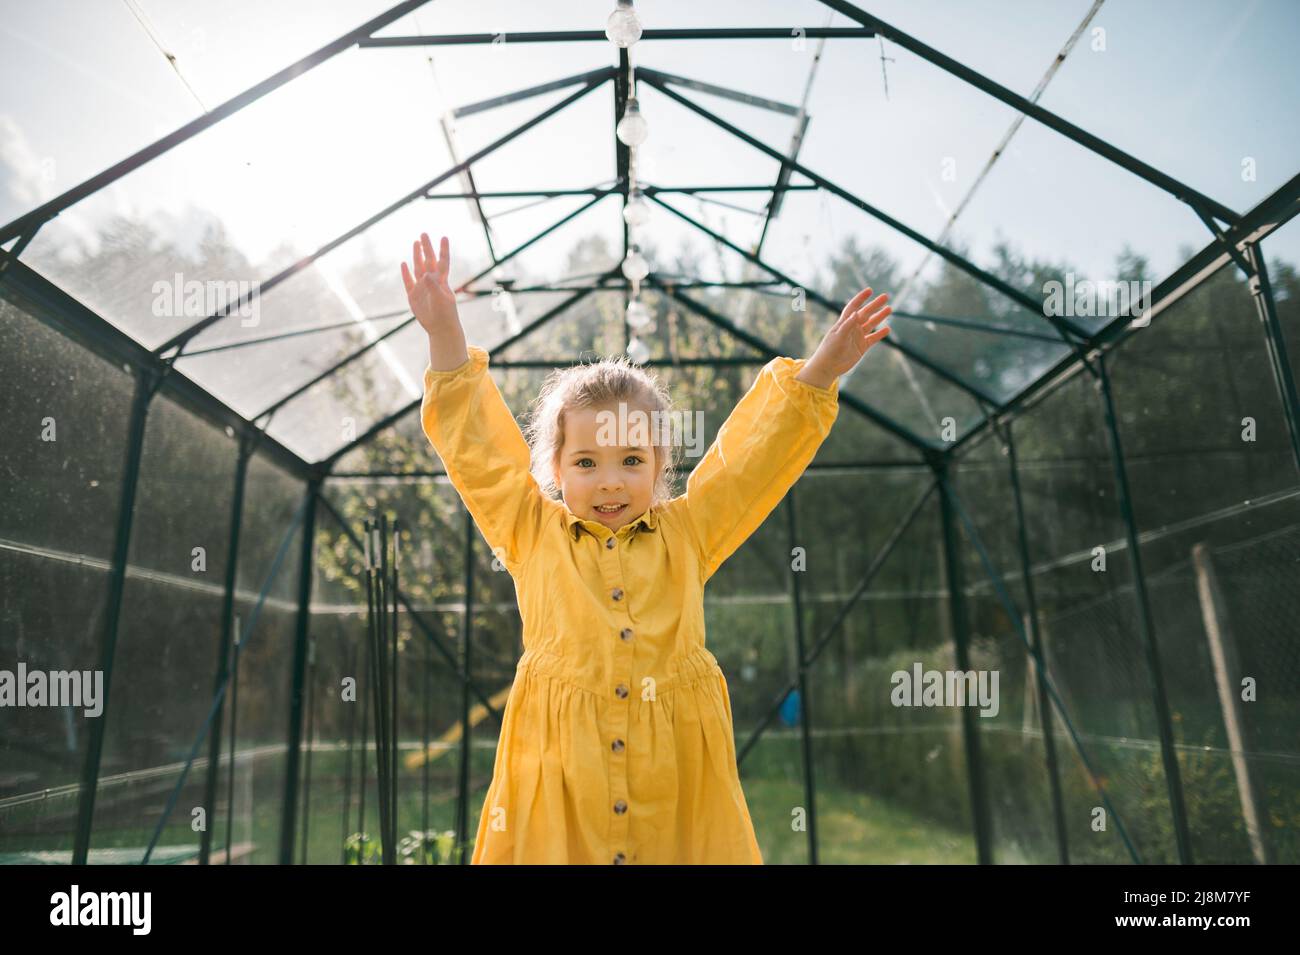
(617, 743)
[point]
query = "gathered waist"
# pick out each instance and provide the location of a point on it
(681, 671)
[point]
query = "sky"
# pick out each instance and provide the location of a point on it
(1197, 88)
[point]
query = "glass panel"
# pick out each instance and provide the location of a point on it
(1217, 497)
(331, 728)
(1243, 71)
(1011, 42)
(240, 201)
(249, 807)
(1120, 227)
(891, 780)
(169, 638)
(1231, 421)
(223, 52)
(748, 621)
(63, 422)
(1282, 250)
(429, 695)
(343, 406)
(839, 249)
(518, 221)
(1087, 607)
(355, 293)
(127, 96)
(912, 396)
(1012, 746)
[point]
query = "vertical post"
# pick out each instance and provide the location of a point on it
(1262, 293)
(223, 648)
(390, 617)
(299, 671)
(347, 765)
(1146, 626)
(424, 767)
(146, 385)
(805, 729)
(462, 796)
(1227, 670)
(311, 744)
(368, 662)
(623, 164)
(961, 638)
(234, 651)
(1037, 660)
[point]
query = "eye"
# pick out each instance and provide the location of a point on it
(634, 458)
(583, 462)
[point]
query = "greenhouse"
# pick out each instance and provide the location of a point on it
(245, 616)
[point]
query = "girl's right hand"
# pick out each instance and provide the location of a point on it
(431, 299)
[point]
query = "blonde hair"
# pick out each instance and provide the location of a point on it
(598, 384)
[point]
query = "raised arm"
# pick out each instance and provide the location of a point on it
(772, 434)
(468, 422)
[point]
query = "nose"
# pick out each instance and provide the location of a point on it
(610, 480)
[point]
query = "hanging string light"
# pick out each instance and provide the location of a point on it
(636, 212)
(632, 129)
(638, 317)
(635, 267)
(638, 351)
(623, 28)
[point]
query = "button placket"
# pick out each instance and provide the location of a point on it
(621, 687)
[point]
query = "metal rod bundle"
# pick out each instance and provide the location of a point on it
(381, 635)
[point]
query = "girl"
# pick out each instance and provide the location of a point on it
(617, 744)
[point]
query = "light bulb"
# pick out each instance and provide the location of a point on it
(632, 129)
(623, 28)
(638, 316)
(637, 351)
(637, 211)
(635, 267)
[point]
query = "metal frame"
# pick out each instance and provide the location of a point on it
(1236, 238)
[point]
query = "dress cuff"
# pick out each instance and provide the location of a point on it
(818, 402)
(477, 362)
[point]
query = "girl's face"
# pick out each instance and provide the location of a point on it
(603, 464)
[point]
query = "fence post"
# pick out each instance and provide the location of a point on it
(1223, 655)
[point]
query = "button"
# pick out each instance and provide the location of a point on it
(617, 746)
(617, 593)
(620, 807)
(626, 633)
(610, 543)
(619, 858)
(621, 691)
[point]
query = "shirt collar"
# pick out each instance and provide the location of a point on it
(575, 524)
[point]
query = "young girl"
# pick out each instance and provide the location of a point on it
(617, 744)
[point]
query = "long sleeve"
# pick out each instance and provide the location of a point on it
(765, 444)
(485, 454)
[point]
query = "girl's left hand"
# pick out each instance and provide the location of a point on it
(851, 336)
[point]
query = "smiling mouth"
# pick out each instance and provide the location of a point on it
(609, 508)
